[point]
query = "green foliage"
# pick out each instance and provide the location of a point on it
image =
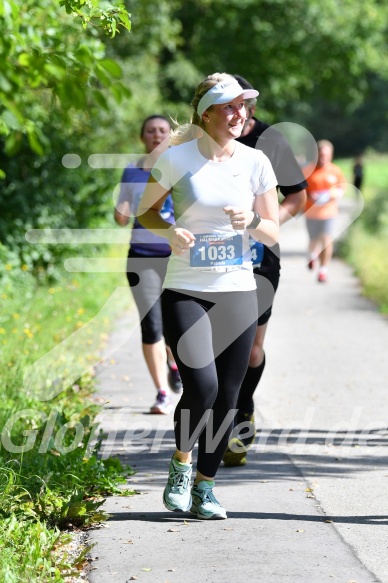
(376, 173)
(155, 29)
(367, 239)
(53, 81)
(286, 49)
(367, 253)
(108, 17)
(352, 128)
(48, 70)
(60, 490)
(12, 272)
(31, 552)
(375, 214)
(56, 478)
(64, 90)
(39, 192)
(35, 318)
(26, 553)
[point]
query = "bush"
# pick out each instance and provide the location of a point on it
(375, 214)
(366, 252)
(39, 192)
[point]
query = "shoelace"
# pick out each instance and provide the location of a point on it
(179, 479)
(208, 496)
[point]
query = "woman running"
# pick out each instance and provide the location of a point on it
(222, 192)
(147, 263)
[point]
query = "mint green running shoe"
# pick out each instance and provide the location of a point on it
(177, 495)
(205, 504)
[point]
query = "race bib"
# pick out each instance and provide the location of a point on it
(321, 197)
(257, 250)
(216, 252)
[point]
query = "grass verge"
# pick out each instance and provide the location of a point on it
(367, 254)
(367, 240)
(51, 477)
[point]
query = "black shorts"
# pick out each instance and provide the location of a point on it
(145, 276)
(267, 281)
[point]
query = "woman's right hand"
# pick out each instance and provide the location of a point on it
(180, 240)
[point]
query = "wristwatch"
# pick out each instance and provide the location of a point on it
(255, 222)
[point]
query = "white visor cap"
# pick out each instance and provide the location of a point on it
(224, 92)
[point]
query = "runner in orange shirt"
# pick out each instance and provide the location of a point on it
(325, 187)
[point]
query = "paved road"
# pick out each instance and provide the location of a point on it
(312, 503)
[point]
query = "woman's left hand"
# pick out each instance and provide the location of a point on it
(239, 218)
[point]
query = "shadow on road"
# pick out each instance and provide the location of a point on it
(169, 517)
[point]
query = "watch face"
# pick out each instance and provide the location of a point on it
(256, 220)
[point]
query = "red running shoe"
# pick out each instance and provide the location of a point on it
(322, 277)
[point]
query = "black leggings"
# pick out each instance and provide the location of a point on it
(210, 335)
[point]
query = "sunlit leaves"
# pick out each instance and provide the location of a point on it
(103, 14)
(111, 67)
(47, 64)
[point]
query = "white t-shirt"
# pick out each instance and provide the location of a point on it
(200, 190)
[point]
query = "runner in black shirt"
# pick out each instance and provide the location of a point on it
(291, 184)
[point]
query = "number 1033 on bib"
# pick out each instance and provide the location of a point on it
(213, 252)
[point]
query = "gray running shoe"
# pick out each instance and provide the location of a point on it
(177, 495)
(205, 504)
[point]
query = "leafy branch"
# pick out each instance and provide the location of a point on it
(101, 14)
(47, 68)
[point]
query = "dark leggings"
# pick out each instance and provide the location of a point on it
(211, 336)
